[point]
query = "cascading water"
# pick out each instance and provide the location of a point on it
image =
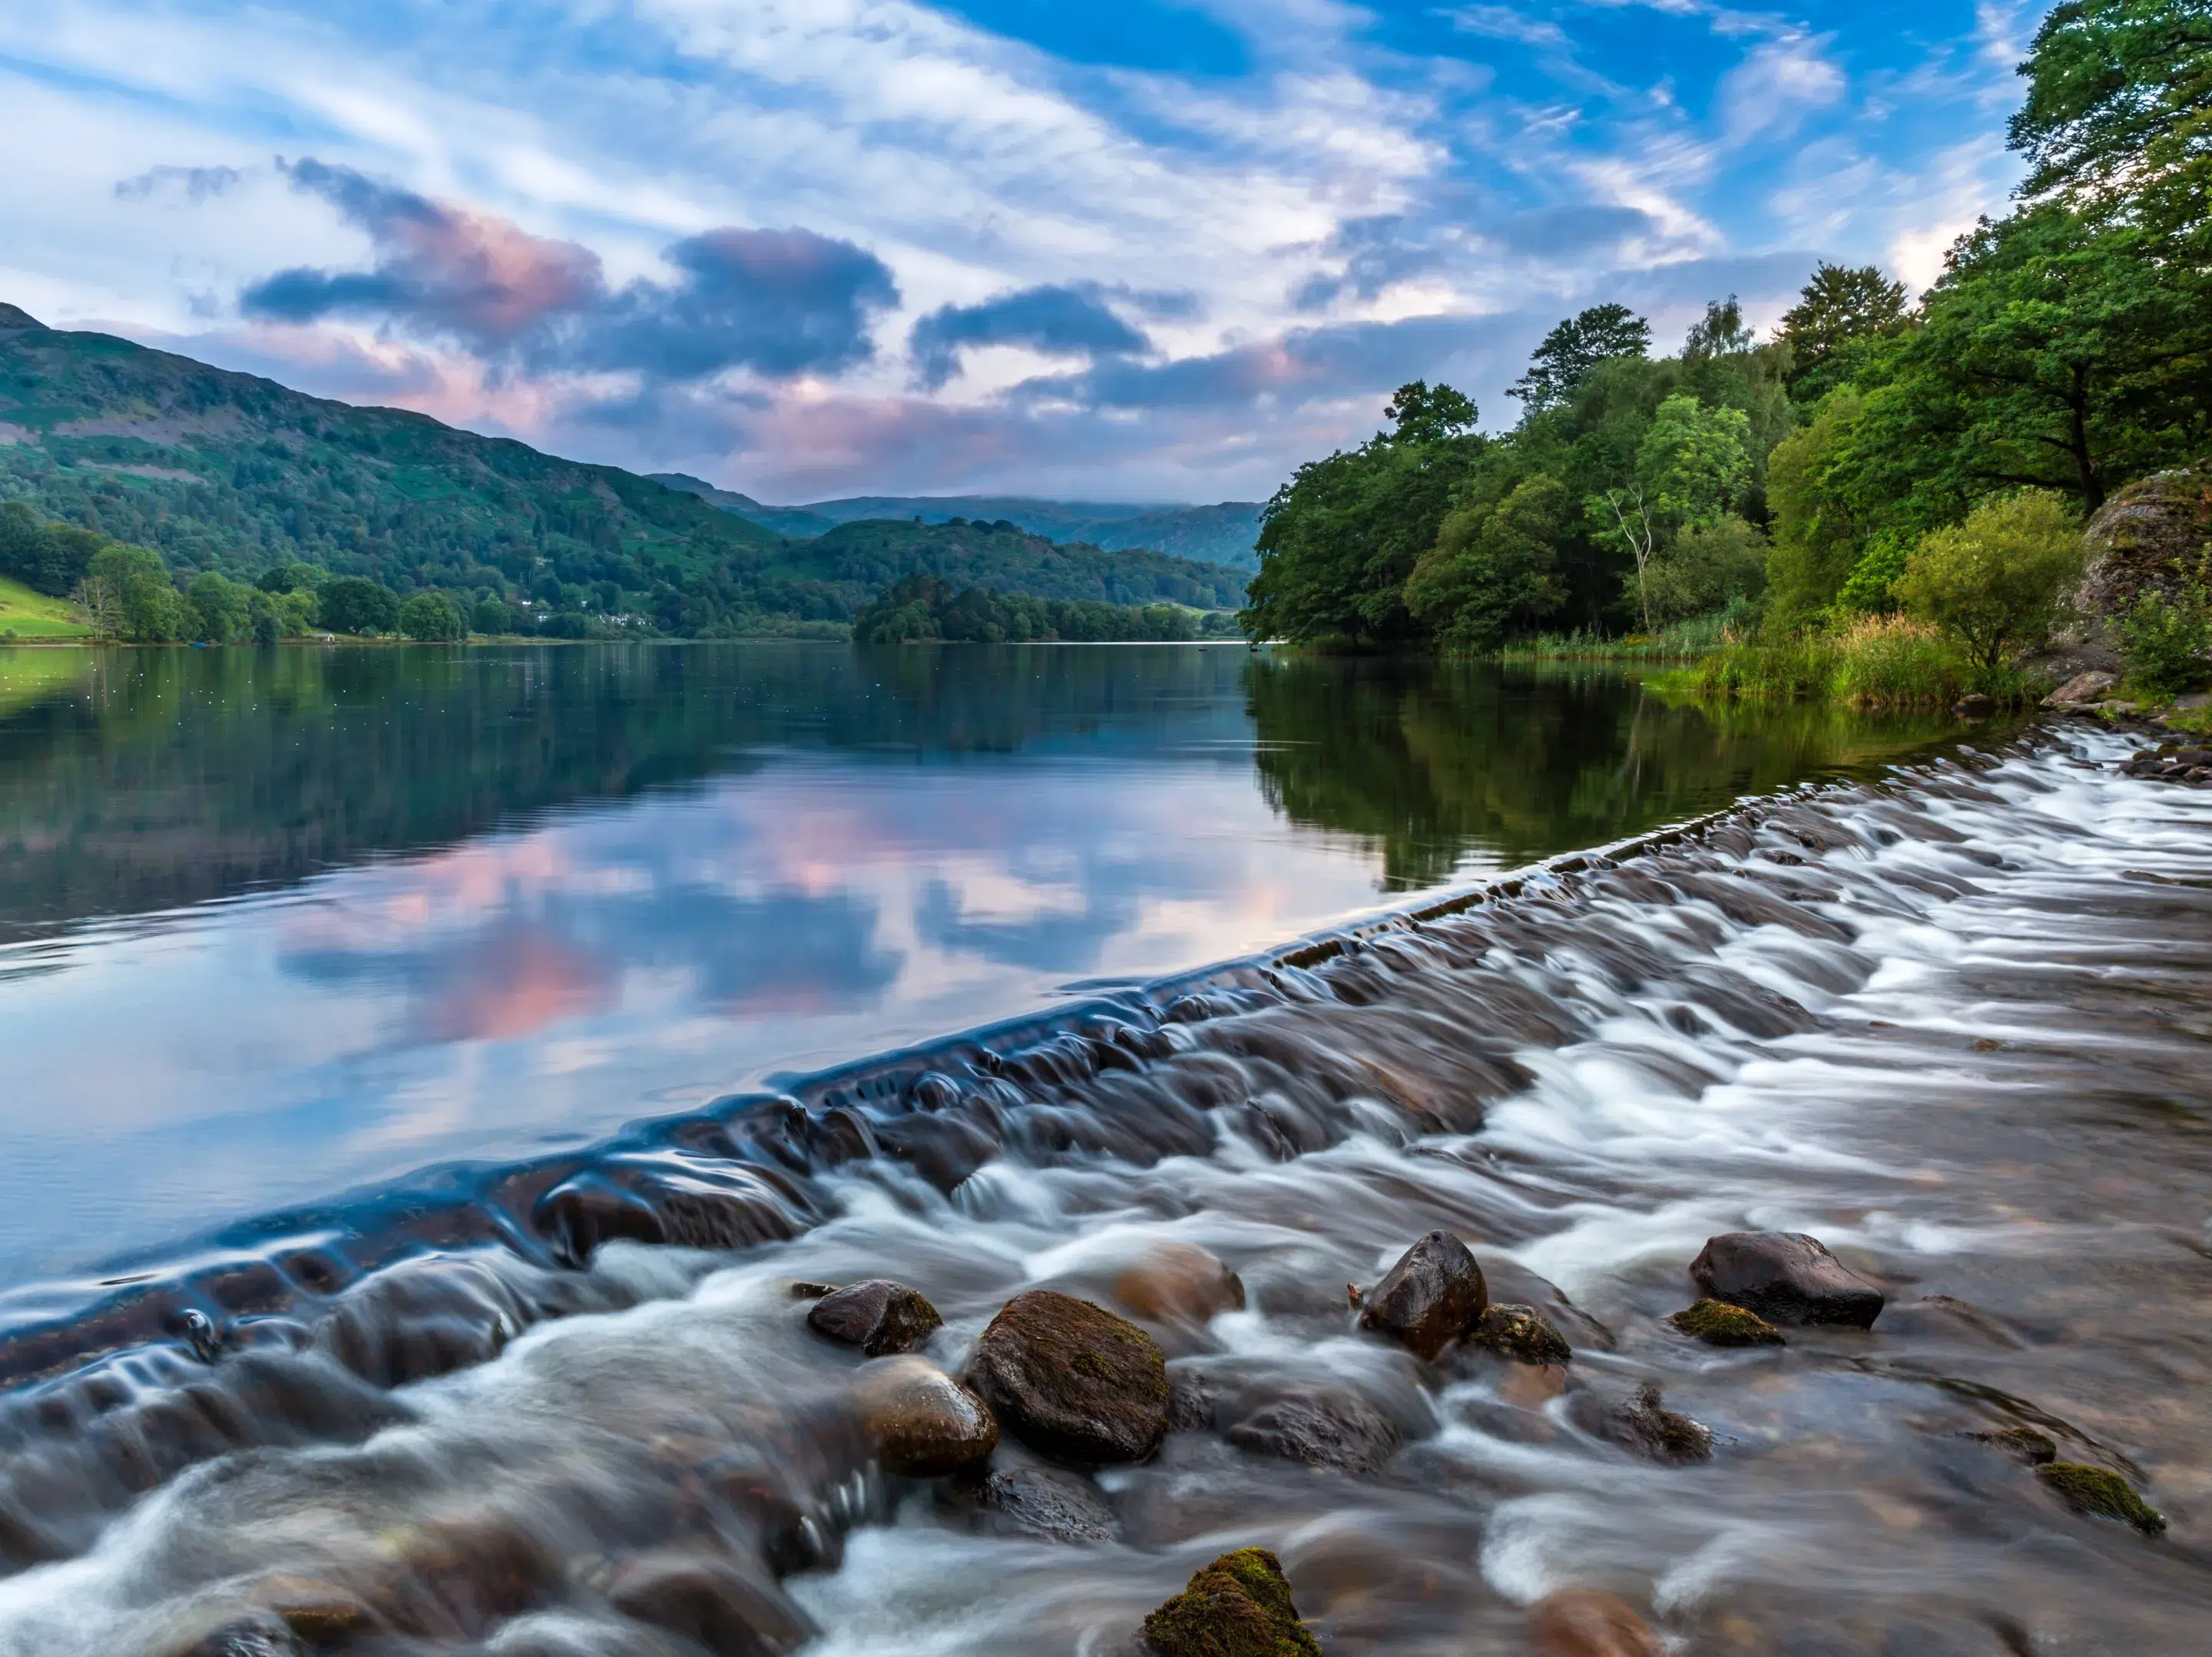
(1954, 1024)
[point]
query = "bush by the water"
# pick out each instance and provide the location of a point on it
(1879, 661)
(2165, 643)
(922, 608)
(1993, 582)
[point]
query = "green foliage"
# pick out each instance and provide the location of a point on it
(1565, 360)
(854, 560)
(217, 609)
(1491, 574)
(127, 592)
(1839, 308)
(432, 617)
(2165, 643)
(46, 557)
(1879, 662)
(1871, 587)
(1339, 541)
(354, 604)
(1707, 568)
(924, 607)
(1993, 582)
(1815, 540)
(1694, 463)
(493, 617)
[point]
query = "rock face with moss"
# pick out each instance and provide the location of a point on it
(2100, 1495)
(1520, 1333)
(1718, 1324)
(2149, 537)
(1237, 1606)
(1073, 1380)
(1433, 1296)
(1787, 1278)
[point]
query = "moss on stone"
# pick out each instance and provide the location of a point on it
(2029, 1445)
(2100, 1495)
(1717, 1323)
(1237, 1606)
(1521, 1332)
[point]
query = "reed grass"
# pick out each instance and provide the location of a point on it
(1878, 661)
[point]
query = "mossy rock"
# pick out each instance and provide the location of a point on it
(2100, 1495)
(2024, 1443)
(1717, 1323)
(2148, 537)
(1071, 1379)
(1237, 1606)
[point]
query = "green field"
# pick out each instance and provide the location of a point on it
(26, 614)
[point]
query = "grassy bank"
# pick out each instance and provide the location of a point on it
(30, 616)
(1883, 661)
(1685, 641)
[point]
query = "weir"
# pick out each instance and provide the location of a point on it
(1953, 1022)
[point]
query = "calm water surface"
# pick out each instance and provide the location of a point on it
(277, 924)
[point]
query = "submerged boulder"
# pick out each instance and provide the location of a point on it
(1044, 1502)
(1642, 1424)
(923, 1424)
(1325, 1427)
(1786, 1278)
(1071, 1379)
(880, 1317)
(1520, 1333)
(711, 1602)
(2098, 1494)
(1582, 1623)
(2023, 1444)
(1717, 1323)
(1179, 1282)
(1431, 1297)
(1237, 1606)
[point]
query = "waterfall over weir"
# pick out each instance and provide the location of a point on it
(1954, 1023)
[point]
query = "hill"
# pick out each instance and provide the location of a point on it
(33, 615)
(1220, 534)
(232, 472)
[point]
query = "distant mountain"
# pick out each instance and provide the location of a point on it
(1220, 534)
(229, 471)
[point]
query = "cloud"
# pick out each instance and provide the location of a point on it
(1779, 81)
(780, 302)
(1585, 229)
(197, 183)
(1506, 23)
(1072, 320)
(1378, 252)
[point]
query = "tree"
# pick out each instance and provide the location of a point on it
(1707, 568)
(432, 617)
(354, 604)
(1337, 542)
(1836, 308)
(1814, 534)
(2118, 119)
(492, 616)
(1563, 361)
(46, 557)
(1491, 572)
(1693, 463)
(1994, 581)
(127, 592)
(216, 608)
(1719, 332)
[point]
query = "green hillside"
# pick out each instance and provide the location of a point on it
(28, 615)
(235, 474)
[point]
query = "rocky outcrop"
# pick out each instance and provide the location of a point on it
(880, 1317)
(1073, 1380)
(1786, 1278)
(2147, 538)
(923, 1424)
(2097, 1494)
(1580, 1623)
(1718, 1324)
(1433, 1295)
(1237, 1606)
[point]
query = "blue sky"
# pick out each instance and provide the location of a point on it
(1159, 250)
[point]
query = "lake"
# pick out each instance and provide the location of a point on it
(279, 922)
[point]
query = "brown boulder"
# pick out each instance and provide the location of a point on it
(880, 1317)
(1786, 1278)
(923, 1424)
(1433, 1296)
(1237, 1606)
(1325, 1427)
(1071, 1379)
(1520, 1333)
(1579, 1622)
(1042, 1502)
(1177, 1282)
(711, 1602)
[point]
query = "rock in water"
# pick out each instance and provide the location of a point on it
(1433, 1296)
(1177, 1283)
(2100, 1495)
(1642, 1424)
(1328, 1427)
(923, 1424)
(880, 1317)
(1785, 1276)
(1071, 1379)
(1521, 1332)
(1718, 1324)
(711, 1602)
(1237, 1606)
(1578, 1623)
(2082, 689)
(2024, 1444)
(1045, 1503)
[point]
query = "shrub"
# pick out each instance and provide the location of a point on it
(1893, 661)
(1708, 567)
(1993, 582)
(432, 616)
(2167, 643)
(1871, 587)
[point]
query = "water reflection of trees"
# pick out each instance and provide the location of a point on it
(145, 780)
(1437, 760)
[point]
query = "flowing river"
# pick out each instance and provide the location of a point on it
(1941, 999)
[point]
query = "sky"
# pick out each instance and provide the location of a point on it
(1150, 250)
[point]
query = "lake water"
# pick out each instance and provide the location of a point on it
(284, 926)
(278, 924)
